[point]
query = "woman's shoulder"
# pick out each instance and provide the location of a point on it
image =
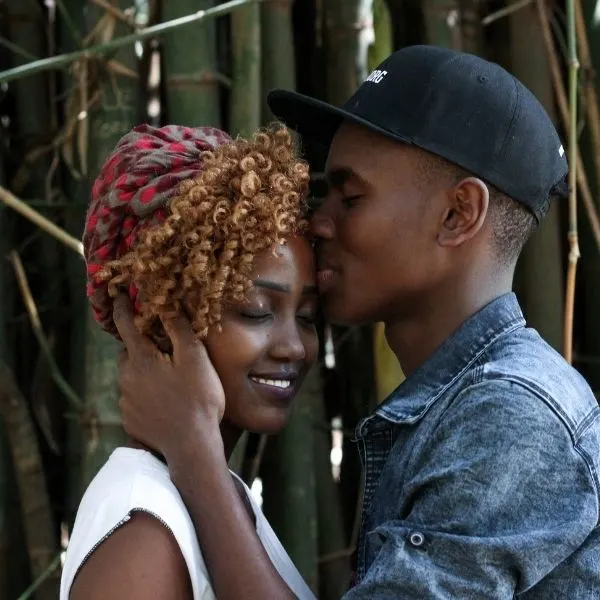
(131, 481)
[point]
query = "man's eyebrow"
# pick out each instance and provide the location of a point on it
(282, 287)
(337, 176)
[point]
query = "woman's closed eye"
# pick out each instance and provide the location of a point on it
(308, 318)
(257, 316)
(350, 201)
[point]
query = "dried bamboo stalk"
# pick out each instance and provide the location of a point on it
(35, 217)
(574, 253)
(36, 325)
(563, 105)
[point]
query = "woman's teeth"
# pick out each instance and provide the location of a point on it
(280, 383)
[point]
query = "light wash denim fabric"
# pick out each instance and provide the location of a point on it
(481, 473)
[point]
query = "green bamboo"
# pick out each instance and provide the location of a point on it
(471, 30)
(116, 112)
(278, 61)
(442, 23)
(71, 20)
(62, 60)
(41, 542)
(246, 60)
(589, 349)
(383, 44)
(14, 568)
(347, 28)
(34, 121)
(289, 487)
(540, 275)
(5, 463)
(334, 559)
(192, 90)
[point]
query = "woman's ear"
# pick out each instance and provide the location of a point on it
(465, 213)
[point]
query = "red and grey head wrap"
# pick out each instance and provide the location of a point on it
(132, 191)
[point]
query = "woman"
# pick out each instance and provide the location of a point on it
(190, 222)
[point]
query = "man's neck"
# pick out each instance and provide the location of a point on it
(415, 338)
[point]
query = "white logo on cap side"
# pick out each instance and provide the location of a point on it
(561, 151)
(376, 76)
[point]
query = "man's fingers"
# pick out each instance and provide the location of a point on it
(179, 329)
(123, 317)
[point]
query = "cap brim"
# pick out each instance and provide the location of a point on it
(316, 120)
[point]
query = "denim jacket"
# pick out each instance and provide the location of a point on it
(481, 473)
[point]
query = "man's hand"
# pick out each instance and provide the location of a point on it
(167, 402)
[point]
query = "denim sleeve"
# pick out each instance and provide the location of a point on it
(499, 498)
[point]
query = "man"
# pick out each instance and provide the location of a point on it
(481, 469)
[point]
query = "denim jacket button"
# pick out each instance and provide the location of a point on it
(417, 539)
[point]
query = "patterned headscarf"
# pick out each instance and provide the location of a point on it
(132, 191)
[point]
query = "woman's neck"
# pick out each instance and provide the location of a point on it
(231, 436)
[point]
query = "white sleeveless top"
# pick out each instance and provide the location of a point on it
(134, 480)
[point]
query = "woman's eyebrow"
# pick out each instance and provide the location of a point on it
(282, 287)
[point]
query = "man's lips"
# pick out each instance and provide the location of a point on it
(324, 278)
(326, 272)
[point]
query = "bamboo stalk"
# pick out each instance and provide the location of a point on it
(505, 12)
(592, 106)
(442, 23)
(35, 502)
(540, 273)
(574, 253)
(117, 13)
(35, 217)
(277, 39)
(68, 22)
(190, 68)
(62, 60)
(245, 101)
(17, 49)
(52, 568)
(36, 325)
(563, 105)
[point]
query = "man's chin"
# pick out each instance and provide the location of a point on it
(338, 312)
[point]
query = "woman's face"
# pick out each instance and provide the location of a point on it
(268, 343)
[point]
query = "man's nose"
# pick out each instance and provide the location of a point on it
(321, 223)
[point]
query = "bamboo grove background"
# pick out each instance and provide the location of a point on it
(58, 399)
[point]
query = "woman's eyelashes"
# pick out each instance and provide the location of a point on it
(258, 316)
(350, 201)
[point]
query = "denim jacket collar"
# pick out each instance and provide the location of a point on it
(413, 397)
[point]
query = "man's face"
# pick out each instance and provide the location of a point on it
(376, 231)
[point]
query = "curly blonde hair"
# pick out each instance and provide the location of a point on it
(249, 197)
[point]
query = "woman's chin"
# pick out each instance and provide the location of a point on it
(268, 421)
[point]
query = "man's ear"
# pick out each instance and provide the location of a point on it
(465, 212)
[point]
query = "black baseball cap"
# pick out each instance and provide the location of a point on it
(470, 111)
